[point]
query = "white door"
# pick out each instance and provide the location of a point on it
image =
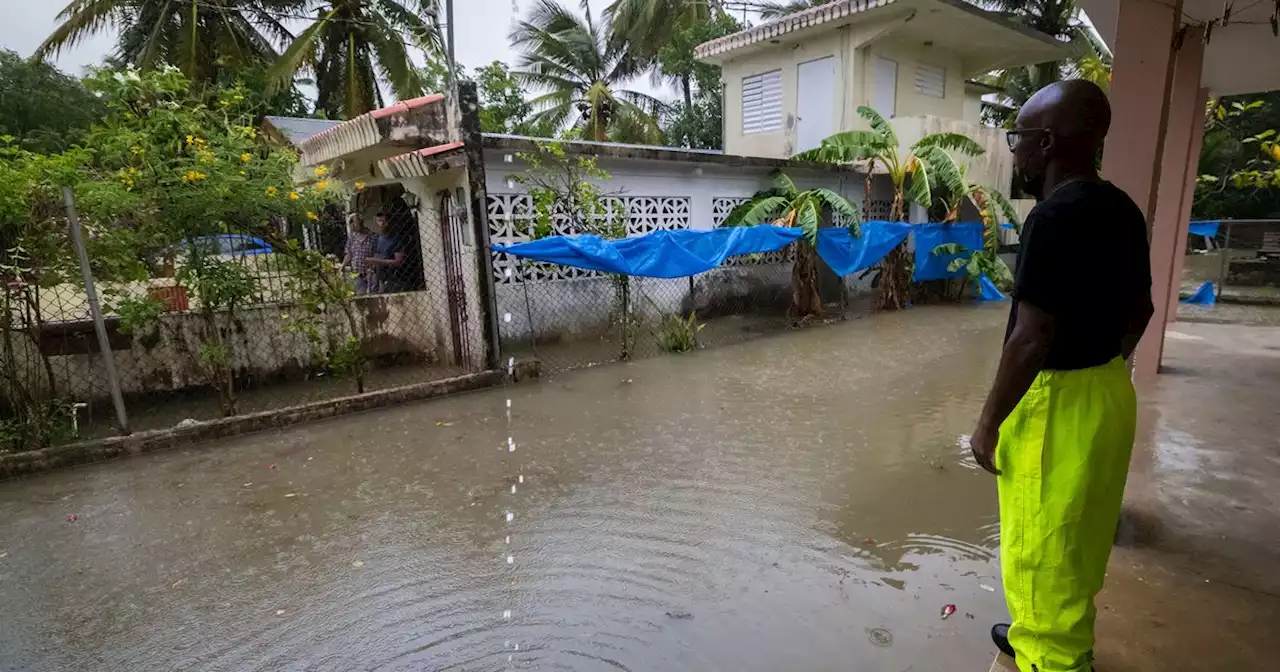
(884, 95)
(815, 103)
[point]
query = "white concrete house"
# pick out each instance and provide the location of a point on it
(791, 82)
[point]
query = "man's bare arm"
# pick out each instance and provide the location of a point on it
(1023, 355)
(1137, 325)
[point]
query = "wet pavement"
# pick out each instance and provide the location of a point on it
(1194, 583)
(798, 502)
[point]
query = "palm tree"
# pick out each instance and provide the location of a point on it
(354, 44)
(805, 210)
(1060, 19)
(910, 175)
(644, 27)
(201, 37)
(993, 207)
(776, 10)
(571, 59)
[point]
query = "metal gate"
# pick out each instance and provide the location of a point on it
(452, 221)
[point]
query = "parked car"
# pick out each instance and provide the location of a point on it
(231, 244)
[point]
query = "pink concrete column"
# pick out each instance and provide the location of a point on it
(1188, 199)
(1141, 82)
(1186, 114)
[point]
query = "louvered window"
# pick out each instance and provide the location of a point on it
(762, 102)
(931, 81)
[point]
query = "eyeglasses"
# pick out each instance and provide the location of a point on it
(1012, 136)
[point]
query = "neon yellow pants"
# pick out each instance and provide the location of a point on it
(1064, 453)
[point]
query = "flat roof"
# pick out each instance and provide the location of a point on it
(615, 150)
(987, 40)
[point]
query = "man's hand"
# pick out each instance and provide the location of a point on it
(983, 444)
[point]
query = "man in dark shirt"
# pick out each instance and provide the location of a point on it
(1058, 425)
(388, 257)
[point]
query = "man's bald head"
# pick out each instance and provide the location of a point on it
(1062, 125)
(1074, 110)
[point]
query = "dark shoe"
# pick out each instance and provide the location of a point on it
(1000, 635)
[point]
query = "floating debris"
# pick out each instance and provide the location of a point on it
(358, 564)
(680, 615)
(72, 518)
(441, 423)
(989, 589)
(947, 610)
(280, 612)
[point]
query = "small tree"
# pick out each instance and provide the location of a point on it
(909, 175)
(564, 187)
(786, 205)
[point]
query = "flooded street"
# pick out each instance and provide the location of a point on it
(797, 502)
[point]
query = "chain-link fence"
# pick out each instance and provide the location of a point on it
(570, 318)
(240, 321)
(1241, 259)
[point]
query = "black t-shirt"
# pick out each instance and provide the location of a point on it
(1084, 259)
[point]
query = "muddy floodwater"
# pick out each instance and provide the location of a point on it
(799, 502)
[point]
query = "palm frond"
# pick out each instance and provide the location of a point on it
(848, 147)
(301, 52)
(944, 172)
(842, 207)
(756, 211)
(1009, 213)
(954, 142)
(879, 124)
(808, 218)
(918, 191)
(783, 183)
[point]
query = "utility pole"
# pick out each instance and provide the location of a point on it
(453, 63)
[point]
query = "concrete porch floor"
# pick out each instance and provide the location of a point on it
(1194, 582)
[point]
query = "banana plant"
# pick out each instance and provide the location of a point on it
(994, 209)
(786, 205)
(880, 150)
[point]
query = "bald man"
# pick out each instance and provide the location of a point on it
(1058, 425)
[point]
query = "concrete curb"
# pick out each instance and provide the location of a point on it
(55, 457)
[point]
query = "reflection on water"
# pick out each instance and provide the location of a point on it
(799, 502)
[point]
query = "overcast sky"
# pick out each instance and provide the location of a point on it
(481, 32)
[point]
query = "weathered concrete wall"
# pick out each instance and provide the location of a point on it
(565, 304)
(395, 327)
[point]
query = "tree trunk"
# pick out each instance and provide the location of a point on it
(688, 93)
(805, 299)
(895, 278)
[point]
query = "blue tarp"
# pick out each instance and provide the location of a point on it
(676, 254)
(1204, 296)
(987, 290)
(847, 255)
(930, 266)
(1209, 229)
(661, 254)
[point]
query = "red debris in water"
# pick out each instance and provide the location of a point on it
(868, 542)
(71, 518)
(947, 610)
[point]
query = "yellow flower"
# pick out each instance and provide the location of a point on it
(322, 185)
(244, 158)
(321, 171)
(311, 215)
(193, 176)
(293, 196)
(359, 186)
(271, 191)
(1275, 151)
(190, 139)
